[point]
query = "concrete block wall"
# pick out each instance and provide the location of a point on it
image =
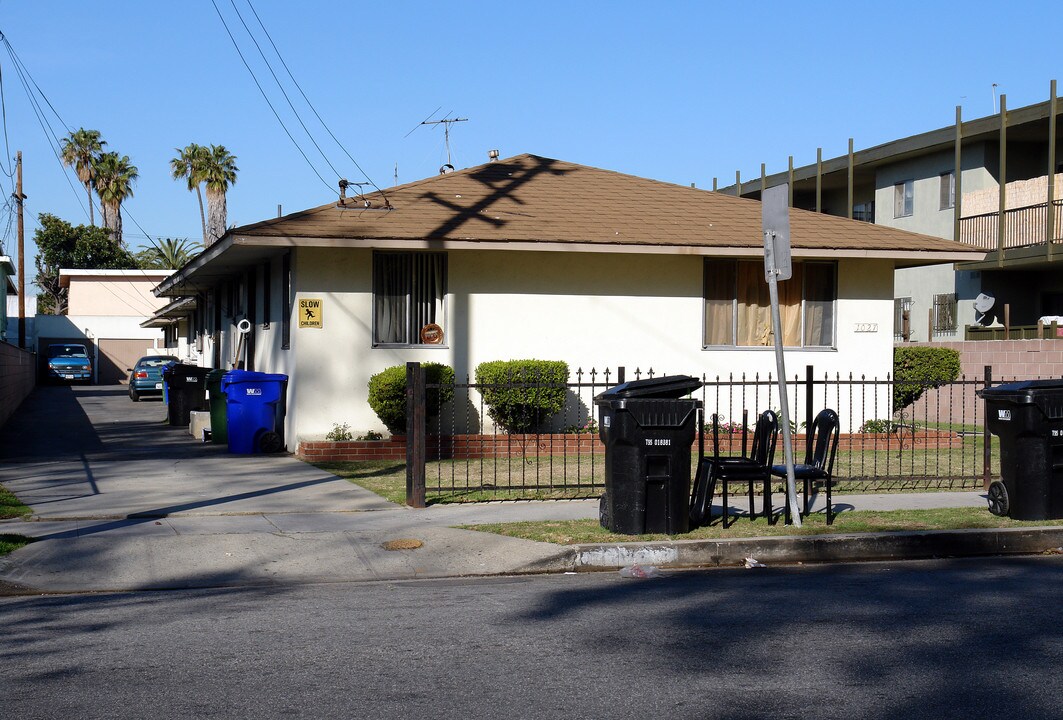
(18, 375)
(1009, 359)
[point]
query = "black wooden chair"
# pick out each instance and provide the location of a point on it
(748, 469)
(820, 449)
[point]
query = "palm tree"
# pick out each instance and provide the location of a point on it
(114, 183)
(219, 172)
(171, 254)
(190, 164)
(81, 149)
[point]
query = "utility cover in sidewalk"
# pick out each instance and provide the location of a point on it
(402, 544)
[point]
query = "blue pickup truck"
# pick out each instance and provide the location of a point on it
(69, 361)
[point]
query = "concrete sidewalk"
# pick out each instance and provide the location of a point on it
(192, 549)
(122, 501)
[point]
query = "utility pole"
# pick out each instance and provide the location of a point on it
(19, 197)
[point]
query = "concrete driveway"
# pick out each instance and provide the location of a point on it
(74, 453)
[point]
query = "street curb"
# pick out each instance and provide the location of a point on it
(819, 548)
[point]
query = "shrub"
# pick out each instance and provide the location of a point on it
(522, 394)
(917, 369)
(339, 433)
(878, 426)
(387, 393)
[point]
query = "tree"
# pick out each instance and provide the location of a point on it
(62, 245)
(219, 173)
(191, 163)
(81, 150)
(167, 254)
(114, 183)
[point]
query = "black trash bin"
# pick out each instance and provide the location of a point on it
(186, 390)
(1028, 419)
(648, 428)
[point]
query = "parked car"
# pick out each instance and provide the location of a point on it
(145, 378)
(68, 361)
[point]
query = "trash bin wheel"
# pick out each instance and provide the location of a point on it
(270, 442)
(998, 498)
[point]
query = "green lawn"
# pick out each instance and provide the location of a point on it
(11, 506)
(10, 543)
(570, 532)
(576, 476)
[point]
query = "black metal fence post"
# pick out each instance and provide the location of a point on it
(987, 447)
(415, 435)
(620, 372)
(809, 409)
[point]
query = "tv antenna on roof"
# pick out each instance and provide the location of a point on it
(446, 122)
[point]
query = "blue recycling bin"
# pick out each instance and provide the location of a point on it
(254, 406)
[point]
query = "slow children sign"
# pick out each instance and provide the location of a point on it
(310, 310)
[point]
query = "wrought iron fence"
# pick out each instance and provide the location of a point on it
(939, 442)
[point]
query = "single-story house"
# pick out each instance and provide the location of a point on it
(530, 257)
(105, 309)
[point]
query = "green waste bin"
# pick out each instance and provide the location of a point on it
(219, 419)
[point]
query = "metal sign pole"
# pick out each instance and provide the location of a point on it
(780, 364)
(775, 208)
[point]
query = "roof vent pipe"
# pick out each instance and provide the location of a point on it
(493, 154)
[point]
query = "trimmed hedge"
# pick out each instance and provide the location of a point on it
(387, 393)
(540, 392)
(917, 369)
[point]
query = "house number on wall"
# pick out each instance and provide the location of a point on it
(867, 327)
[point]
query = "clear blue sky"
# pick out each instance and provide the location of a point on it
(676, 91)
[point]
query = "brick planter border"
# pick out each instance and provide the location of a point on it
(475, 447)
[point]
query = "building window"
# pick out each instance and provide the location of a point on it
(409, 291)
(948, 190)
(864, 212)
(901, 319)
(738, 310)
(903, 198)
(286, 301)
(945, 314)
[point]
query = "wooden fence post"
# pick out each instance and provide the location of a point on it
(415, 435)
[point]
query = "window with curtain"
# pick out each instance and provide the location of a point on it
(738, 307)
(409, 290)
(947, 190)
(903, 198)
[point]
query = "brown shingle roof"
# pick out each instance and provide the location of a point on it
(528, 198)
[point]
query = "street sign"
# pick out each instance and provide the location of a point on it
(775, 218)
(310, 310)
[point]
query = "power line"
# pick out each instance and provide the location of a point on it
(266, 98)
(3, 110)
(283, 92)
(42, 117)
(310, 104)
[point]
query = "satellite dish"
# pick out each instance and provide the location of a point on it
(984, 303)
(446, 168)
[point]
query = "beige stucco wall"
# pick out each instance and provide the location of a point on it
(591, 310)
(114, 296)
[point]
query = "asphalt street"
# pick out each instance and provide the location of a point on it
(930, 639)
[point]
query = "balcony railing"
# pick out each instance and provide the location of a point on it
(1023, 227)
